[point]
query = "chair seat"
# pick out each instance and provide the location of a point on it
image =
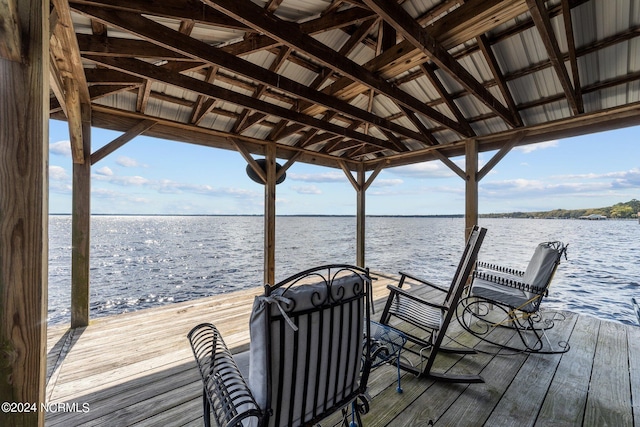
(501, 294)
(416, 313)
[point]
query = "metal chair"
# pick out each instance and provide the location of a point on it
(505, 297)
(308, 358)
(429, 318)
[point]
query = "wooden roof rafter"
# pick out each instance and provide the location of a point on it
(288, 33)
(146, 28)
(427, 44)
(337, 80)
(70, 79)
(543, 24)
(148, 71)
(327, 73)
(471, 19)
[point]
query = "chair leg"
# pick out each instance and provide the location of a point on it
(206, 410)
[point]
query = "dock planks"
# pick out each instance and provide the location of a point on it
(137, 369)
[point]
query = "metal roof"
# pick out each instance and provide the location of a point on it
(343, 82)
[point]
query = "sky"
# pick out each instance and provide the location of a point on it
(155, 176)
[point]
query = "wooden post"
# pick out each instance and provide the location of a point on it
(81, 228)
(471, 187)
(24, 206)
(270, 216)
(360, 218)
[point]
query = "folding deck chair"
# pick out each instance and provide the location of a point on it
(428, 319)
(308, 357)
(505, 297)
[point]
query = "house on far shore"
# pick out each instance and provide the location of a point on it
(593, 217)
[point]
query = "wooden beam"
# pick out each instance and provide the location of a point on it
(287, 165)
(81, 227)
(56, 84)
(353, 41)
(347, 172)
(543, 24)
(24, 214)
(145, 70)
(74, 116)
(498, 76)
(270, 216)
(186, 45)
(10, 43)
(504, 150)
(374, 174)
(290, 34)
(250, 160)
(66, 54)
(573, 57)
(181, 10)
(109, 148)
(450, 164)
(448, 100)
(471, 186)
(466, 22)
(122, 121)
(278, 62)
(427, 44)
(361, 218)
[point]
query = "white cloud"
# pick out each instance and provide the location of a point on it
(387, 182)
(423, 170)
(104, 193)
(306, 189)
(171, 187)
(57, 173)
(61, 148)
(318, 177)
(127, 162)
(523, 188)
(539, 146)
(121, 180)
(106, 171)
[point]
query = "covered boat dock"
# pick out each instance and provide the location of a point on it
(356, 85)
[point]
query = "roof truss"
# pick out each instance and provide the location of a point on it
(346, 82)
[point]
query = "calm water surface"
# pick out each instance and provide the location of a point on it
(139, 262)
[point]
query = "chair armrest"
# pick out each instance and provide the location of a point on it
(395, 289)
(422, 281)
(504, 281)
(225, 392)
(500, 268)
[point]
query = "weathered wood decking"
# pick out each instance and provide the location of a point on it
(137, 369)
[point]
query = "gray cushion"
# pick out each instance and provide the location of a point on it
(326, 350)
(538, 274)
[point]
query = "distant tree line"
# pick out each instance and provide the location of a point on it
(620, 210)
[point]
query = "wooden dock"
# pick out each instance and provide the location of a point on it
(137, 369)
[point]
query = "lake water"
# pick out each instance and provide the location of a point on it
(145, 261)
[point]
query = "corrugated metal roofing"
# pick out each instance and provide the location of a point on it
(398, 123)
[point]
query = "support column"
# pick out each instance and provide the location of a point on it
(471, 187)
(360, 217)
(24, 206)
(270, 216)
(81, 228)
